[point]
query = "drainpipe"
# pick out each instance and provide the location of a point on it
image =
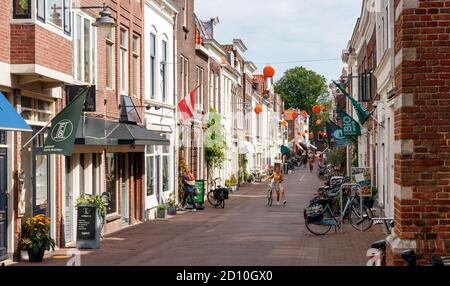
(175, 116)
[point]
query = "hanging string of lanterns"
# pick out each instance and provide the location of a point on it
(316, 109)
(258, 109)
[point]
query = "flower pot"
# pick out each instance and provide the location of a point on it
(161, 214)
(35, 254)
(172, 210)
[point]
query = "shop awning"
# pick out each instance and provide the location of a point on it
(246, 147)
(99, 132)
(312, 147)
(9, 118)
(137, 135)
(304, 146)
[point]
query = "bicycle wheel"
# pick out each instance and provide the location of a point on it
(221, 203)
(212, 199)
(321, 227)
(360, 222)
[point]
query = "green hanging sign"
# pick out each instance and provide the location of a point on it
(61, 136)
(349, 126)
(361, 111)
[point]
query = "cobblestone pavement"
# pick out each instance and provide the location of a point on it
(245, 233)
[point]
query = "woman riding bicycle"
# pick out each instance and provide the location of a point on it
(277, 179)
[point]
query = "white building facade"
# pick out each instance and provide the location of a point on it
(160, 94)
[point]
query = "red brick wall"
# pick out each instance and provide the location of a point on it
(5, 7)
(32, 44)
(129, 15)
(422, 124)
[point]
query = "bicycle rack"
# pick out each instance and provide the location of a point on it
(352, 186)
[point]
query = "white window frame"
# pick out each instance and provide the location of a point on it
(110, 41)
(200, 81)
(136, 62)
(151, 155)
(164, 64)
(124, 65)
(153, 61)
(92, 49)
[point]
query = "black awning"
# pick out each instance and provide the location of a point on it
(100, 132)
(137, 135)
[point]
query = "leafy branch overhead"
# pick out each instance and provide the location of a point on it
(301, 88)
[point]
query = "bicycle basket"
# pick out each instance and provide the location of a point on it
(225, 193)
(313, 213)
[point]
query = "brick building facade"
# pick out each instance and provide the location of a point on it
(422, 172)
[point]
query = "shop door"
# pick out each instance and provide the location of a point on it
(124, 188)
(40, 180)
(158, 179)
(3, 203)
(68, 212)
(138, 191)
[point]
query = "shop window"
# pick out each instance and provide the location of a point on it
(165, 168)
(21, 9)
(111, 186)
(3, 138)
(150, 157)
(36, 109)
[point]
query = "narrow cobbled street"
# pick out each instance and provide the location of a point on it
(246, 232)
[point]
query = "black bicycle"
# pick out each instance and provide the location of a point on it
(217, 195)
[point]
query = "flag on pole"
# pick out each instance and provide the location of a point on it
(61, 136)
(361, 111)
(186, 107)
(349, 126)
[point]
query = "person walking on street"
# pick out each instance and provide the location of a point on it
(305, 159)
(311, 161)
(277, 179)
(189, 188)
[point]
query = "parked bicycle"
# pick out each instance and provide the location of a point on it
(409, 256)
(217, 195)
(320, 216)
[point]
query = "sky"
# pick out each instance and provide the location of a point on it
(280, 31)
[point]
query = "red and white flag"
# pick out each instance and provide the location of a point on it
(186, 107)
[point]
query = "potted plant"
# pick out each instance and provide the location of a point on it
(161, 211)
(231, 183)
(35, 237)
(92, 211)
(172, 209)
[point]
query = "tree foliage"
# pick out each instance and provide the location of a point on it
(302, 88)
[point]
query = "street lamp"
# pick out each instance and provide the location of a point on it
(105, 20)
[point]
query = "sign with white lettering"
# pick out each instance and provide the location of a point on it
(86, 222)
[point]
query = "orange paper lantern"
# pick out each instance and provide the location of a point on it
(311, 135)
(304, 114)
(295, 115)
(284, 123)
(269, 71)
(316, 109)
(258, 109)
(318, 122)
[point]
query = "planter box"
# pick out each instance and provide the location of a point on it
(161, 214)
(172, 210)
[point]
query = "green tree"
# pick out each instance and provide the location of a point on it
(215, 144)
(302, 88)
